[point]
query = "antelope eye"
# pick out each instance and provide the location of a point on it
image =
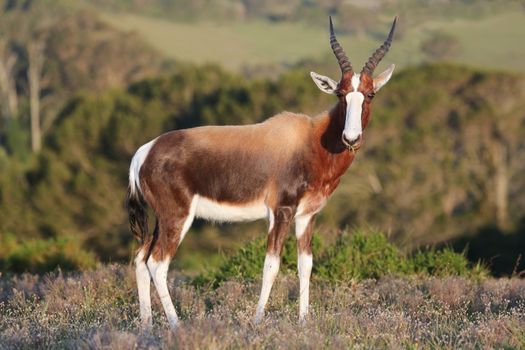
(370, 95)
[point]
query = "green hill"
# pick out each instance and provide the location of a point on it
(484, 34)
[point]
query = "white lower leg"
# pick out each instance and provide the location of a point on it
(304, 267)
(271, 268)
(143, 285)
(159, 272)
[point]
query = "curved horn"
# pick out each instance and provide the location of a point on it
(373, 61)
(339, 53)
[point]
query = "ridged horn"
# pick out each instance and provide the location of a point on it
(339, 53)
(374, 60)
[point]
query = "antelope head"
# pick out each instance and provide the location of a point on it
(355, 90)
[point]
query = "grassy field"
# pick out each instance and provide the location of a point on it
(493, 41)
(231, 45)
(99, 309)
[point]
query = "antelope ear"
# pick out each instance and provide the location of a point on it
(325, 84)
(383, 78)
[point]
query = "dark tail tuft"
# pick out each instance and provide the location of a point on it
(138, 215)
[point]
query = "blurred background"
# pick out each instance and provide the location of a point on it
(84, 83)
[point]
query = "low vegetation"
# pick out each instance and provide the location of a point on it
(43, 255)
(365, 293)
(99, 309)
(364, 254)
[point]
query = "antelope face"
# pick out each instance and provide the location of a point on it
(355, 91)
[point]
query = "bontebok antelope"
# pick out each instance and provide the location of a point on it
(283, 169)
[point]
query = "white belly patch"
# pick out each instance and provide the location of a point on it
(215, 211)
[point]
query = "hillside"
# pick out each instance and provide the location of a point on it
(453, 148)
(443, 156)
(50, 51)
(483, 34)
(81, 52)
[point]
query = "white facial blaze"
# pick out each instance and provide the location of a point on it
(354, 104)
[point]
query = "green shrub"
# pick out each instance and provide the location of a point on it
(247, 262)
(361, 255)
(43, 255)
(444, 262)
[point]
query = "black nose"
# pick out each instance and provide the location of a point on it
(353, 142)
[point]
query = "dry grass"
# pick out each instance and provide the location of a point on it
(99, 309)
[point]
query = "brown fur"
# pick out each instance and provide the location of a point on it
(288, 160)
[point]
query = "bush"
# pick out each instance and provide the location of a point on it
(445, 262)
(43, 255)
(247, 262)
(361, 255)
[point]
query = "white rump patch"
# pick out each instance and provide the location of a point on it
(136, 163)
(215, 211)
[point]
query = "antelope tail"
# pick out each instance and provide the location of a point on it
(138, 214)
